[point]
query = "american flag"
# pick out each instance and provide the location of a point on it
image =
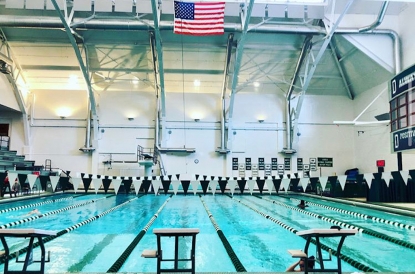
(199, 18)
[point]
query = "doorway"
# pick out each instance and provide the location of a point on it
(4, 129)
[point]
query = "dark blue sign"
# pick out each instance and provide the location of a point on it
(403, 139)
(403, 82)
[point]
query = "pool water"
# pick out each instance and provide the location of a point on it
(100, 228)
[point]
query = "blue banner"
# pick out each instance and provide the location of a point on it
(403, 139)
(403, 82)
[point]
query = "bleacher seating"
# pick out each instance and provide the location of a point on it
(9, 160)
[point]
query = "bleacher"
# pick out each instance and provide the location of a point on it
(10, 160)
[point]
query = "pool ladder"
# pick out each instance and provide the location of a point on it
(323, 259)
(43, 260)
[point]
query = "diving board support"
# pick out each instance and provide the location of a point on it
(324, 233)
(26, 233)
(176, 233)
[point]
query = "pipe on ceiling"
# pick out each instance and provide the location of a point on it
(378, 20)
(55, 23)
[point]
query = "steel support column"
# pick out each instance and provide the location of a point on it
(159, 70)
(223, 146)
(314, 62)
(245, 16)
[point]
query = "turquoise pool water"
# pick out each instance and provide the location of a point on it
(100, 228)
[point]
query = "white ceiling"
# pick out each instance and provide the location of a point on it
(116, 50)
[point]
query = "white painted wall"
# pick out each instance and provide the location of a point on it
(407, 36)
(6, 94)
(350, 146)
(60, 139)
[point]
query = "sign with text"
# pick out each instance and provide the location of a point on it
(325, 162)
(313, 164)
(402, 82)
(234, 163)
(248, 163)
(274, 163)
(268, 170)
(403, 139)
(261, 163)
(280, 169)
(299, 164)
(287, 163)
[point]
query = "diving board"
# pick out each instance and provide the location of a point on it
(26, 233)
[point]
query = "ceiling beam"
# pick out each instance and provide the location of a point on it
(79, 57)
(245, 17)
(310, 73)
(339, 67)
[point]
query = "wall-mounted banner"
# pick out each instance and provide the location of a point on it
(248, 163)
(402, 82)
(299, 164)
(268, 170)
(280, 169)
(234, 163)
(254, 170)
(287, 163)
(313, 164)
(241, 168)
(274, 163)
(261, 163)
(403, 139)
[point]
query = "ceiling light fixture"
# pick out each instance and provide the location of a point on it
(261, 120)
(135, 80)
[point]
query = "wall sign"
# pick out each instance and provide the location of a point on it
(403, 139)
(261, 163)
(402, 82)
(313, 164)
(234, 163)
(274, 163)
(248, 164)
(287, 163)
(325, 162)
(299, 164)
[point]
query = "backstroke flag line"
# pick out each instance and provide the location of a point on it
(199, 18)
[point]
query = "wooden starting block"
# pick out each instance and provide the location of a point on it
(32, 234)
(176, 233)
(317, 234)
(297, 253)
(149, 253)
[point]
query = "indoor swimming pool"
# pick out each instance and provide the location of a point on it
(108, 233)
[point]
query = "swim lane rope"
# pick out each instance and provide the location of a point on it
(361, 215)
(62, 232)
(234, 258)
(343, 257)
(127, 252)
(32, 218)
(34, 205)
(344, 224)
